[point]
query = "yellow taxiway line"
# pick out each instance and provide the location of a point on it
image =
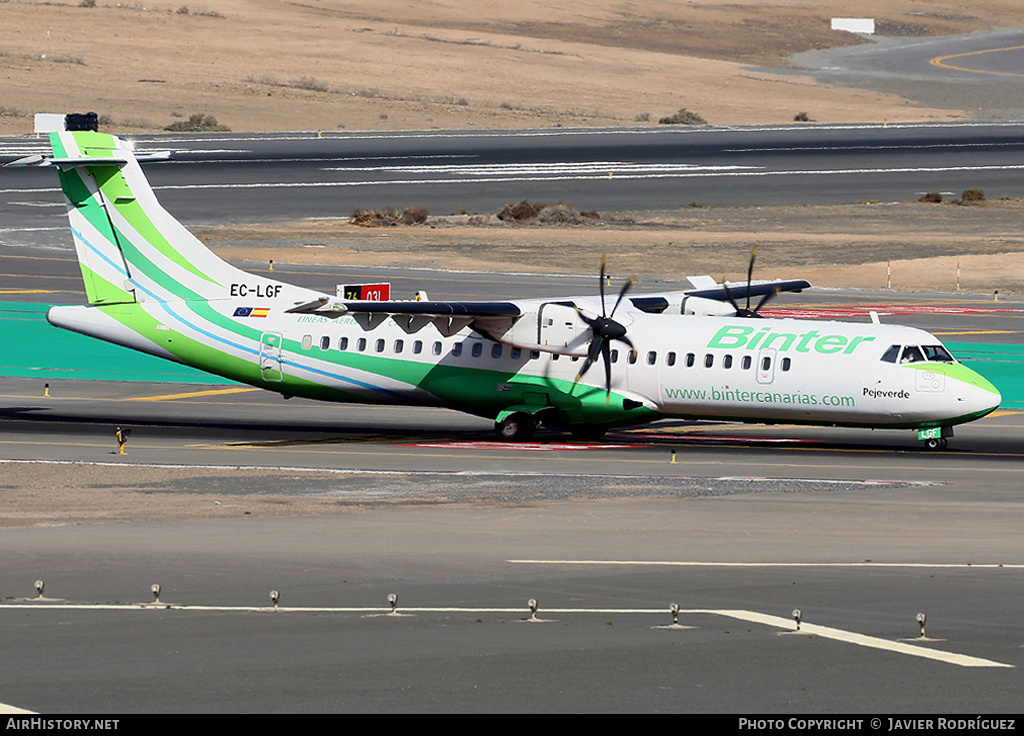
(193, 394)
(941, 61)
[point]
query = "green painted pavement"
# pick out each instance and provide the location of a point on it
(1003, 365)
(33, 348)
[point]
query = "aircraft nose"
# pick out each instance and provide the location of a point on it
(984, 397)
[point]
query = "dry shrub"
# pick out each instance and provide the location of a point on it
(972, 196)
(414, 215)
(560, 214)
(198, 123)
(683, 117)
(520, 211)
(386, 217)
(935, 197)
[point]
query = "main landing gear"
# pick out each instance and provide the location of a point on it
(935, 443)
(520, 426)
(516, 427)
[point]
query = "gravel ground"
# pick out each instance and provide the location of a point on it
(56, 494)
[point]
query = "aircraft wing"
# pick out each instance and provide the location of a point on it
(677, 300)
(336, 307)
(712, 299)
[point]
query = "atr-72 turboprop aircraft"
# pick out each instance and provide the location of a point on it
(154, 287)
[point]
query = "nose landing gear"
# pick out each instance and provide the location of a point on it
(935, 438)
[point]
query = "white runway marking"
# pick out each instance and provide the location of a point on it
(825, 632)
(852, 637)
(677, 563)
(682, 171)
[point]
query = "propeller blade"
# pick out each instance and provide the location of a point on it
(625, 287)
(592, 322)
(750, 273)
(765, 299)
(606, 354)
(604, 262)
(592, 354)
(732, 301)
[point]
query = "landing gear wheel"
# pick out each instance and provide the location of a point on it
(936, 443)
(517, 427)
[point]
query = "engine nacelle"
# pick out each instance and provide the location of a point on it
(702, 307)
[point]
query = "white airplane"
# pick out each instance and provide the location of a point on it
(152, 286)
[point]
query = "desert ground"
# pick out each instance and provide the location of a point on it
(258, 65)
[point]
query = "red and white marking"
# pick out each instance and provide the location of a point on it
(520, 446)
(881, 309)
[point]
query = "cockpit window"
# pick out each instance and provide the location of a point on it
(937, 354)
(891, 354)
(912, 354)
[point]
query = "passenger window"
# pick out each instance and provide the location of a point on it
(361, 345)
(554, 356)
(325, 343)
(690, 360)
(615, 356)
(670, 359)
(516, 353)
(417, 347)
(786, 363)
(745, 363)
(632, 357)
(380, 345)
(534, 355)
(399, 345)
(727, 361)
(477, 349)
(437, 348)
(457, 349)
(652, 357)
(495, 351)
(307, 342)
(343, 343)
(891, 354)
(766, 363)
(709, 360)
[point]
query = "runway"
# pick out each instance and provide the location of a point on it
(292, 176)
